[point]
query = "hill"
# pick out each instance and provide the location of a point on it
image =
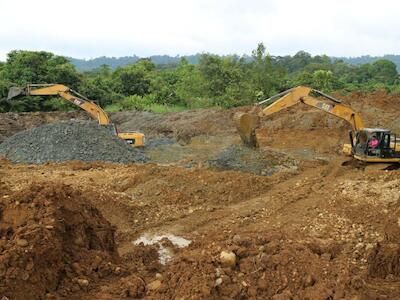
(359, 60)
(114, 62)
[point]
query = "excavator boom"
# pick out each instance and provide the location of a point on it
(65, 92)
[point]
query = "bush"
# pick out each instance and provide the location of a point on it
(113, 107)
(162, 108)
(395, 89)
(58, 104)
(198, 102)
(135, 102)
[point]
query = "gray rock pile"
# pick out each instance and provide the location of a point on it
(264, 161)
(71, 140)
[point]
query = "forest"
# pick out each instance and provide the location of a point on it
(224, 81)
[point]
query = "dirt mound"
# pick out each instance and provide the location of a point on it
(384, 260)
(265, 161)
(72, 140)
(259, 266)
(379, 99)
(180, 125)
(52, 242)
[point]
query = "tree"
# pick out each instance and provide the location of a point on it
(299, 61)
(134, 79)
(163, 87)
(23, 67)
(190, 86)
(65, 74)
(304, 78)
(384, 71)
(323, 80)
(266, 77)
(211, 69)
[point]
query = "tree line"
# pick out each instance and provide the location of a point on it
(167, 60)
(225, 81)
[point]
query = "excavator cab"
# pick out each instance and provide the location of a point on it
(374, 145)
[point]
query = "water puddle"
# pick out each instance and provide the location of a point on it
(165, 253)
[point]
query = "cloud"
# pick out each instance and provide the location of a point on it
(89, 28)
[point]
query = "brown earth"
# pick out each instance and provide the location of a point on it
(322, 231)
(50, 243)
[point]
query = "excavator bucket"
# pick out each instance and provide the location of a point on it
(246, 124)
(15, 92)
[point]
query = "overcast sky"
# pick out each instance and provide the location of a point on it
(91, 28)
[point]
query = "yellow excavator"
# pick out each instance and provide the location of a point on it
(135, 139)
(370, 145)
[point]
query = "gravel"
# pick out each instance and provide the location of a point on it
(264, 161)
(152, 143)
(71, 140)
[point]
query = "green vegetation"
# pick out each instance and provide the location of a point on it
(225, 81)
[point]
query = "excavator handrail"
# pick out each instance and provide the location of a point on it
(327, 96)
(281, 94)
(275, 96)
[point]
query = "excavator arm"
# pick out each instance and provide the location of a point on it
(247, 125)
(66, 93)
(334, 107)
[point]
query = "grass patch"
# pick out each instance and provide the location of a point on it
(162, 109)
(113, 108)
(154, 108)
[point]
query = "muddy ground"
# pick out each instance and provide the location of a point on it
(185, 227)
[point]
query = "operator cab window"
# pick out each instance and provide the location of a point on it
(386, 141)
(374, 144)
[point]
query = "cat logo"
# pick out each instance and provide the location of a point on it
(325, 106)
(77, 101)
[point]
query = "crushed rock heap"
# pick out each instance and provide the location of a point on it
(70, 140)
